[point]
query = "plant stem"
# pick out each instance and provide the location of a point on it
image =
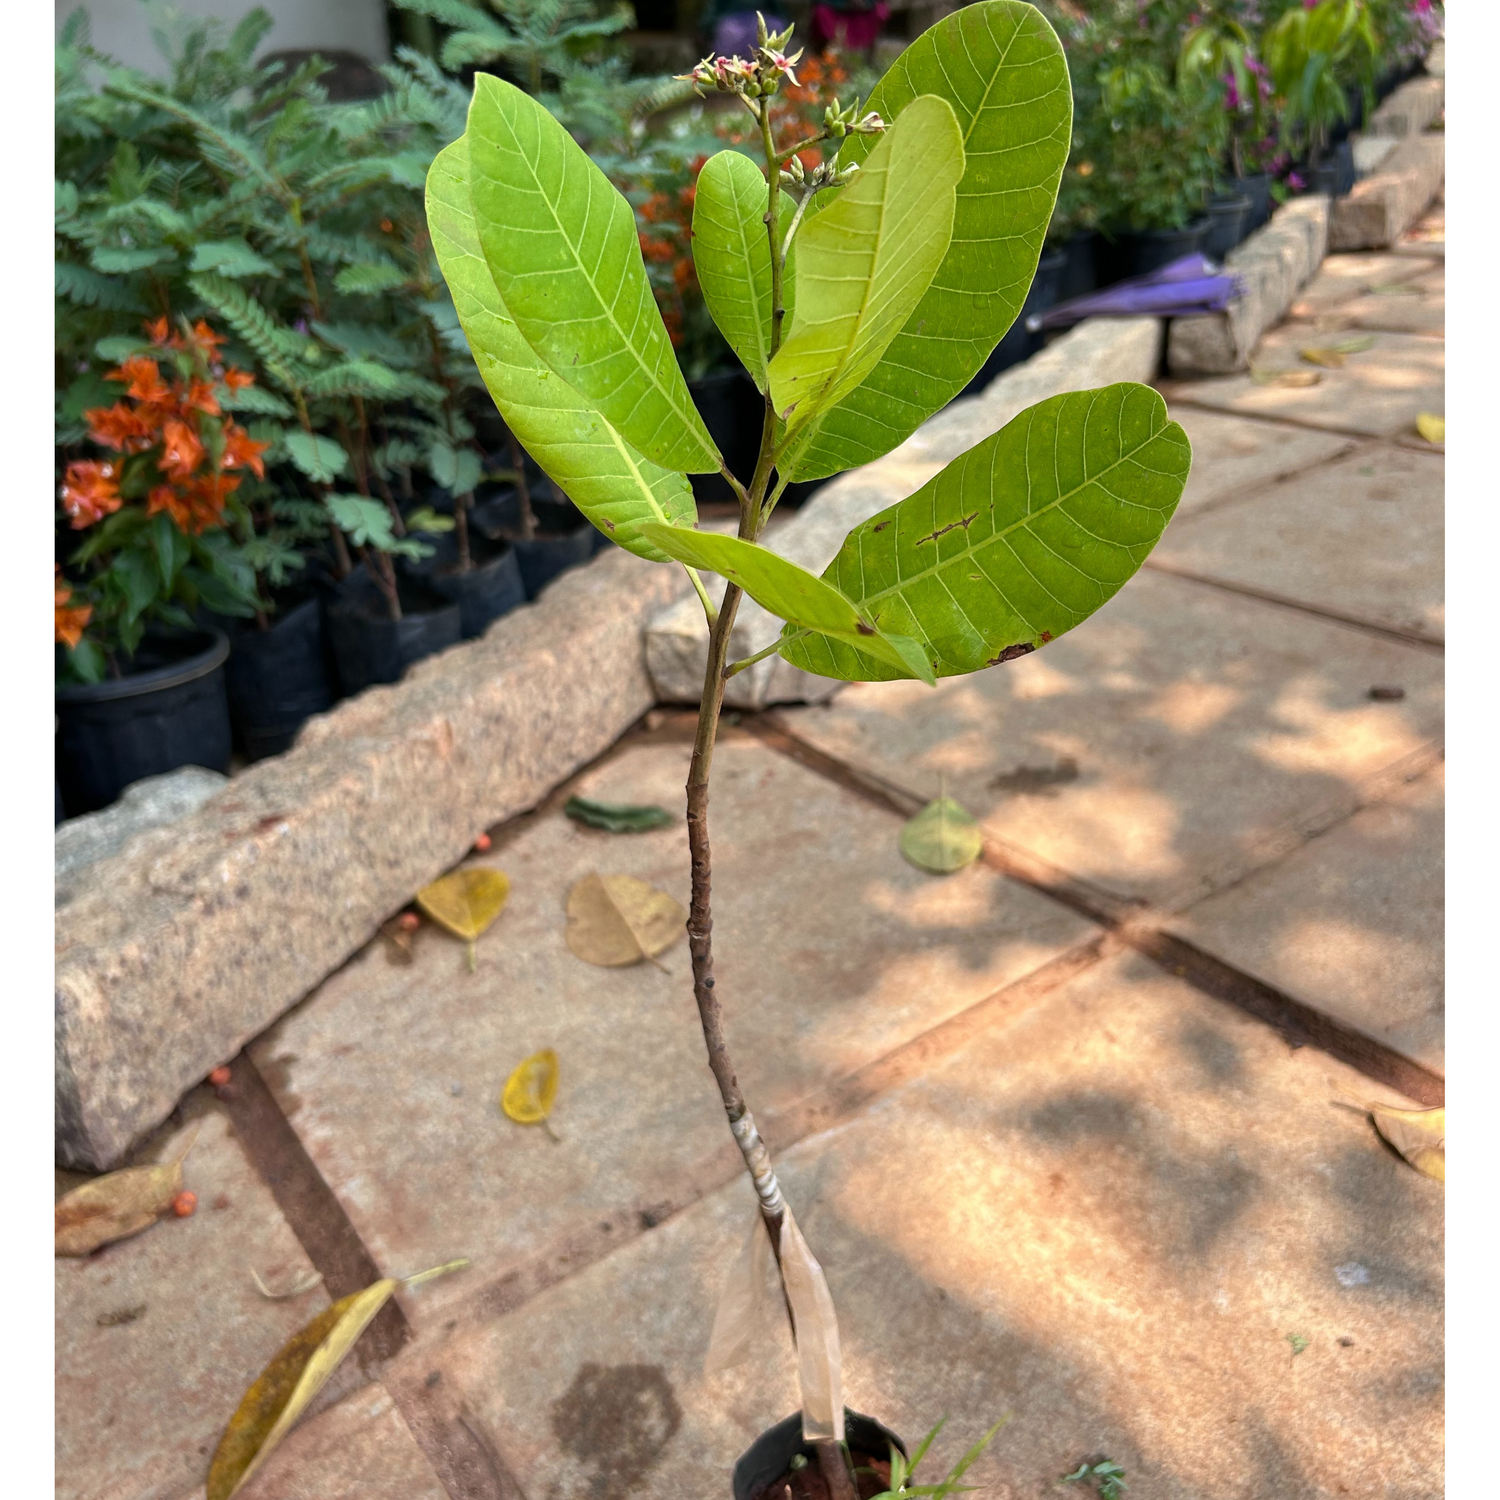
(523, 490)
(461, 504)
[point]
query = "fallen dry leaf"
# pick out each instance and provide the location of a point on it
(298, 1288)
(285, 1387)
(1418, 1134)
(1285, 377)
(531, 1089)
(400, 942)
(1394, 289)
(1431, 427)
(466, 902)
(1332, 356)
(942, 838)
(117, 1205)
(615, 920)
(1330, 359)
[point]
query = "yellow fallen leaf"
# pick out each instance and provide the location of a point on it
(615, 920)
(942, 838)
(1418, 1134)
(115, 1206)
(531, 1090)
(466, 902)
(1329, 358)
(285, 1387)
(1285, 377)
(1431, 426)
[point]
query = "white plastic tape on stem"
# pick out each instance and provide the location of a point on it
(749, 1298)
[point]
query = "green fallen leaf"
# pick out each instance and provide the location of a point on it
(615, 817)
(562, 247)
(568, 435)
(942, 838)
(1016, 541)
(1001, 67)
(865, 261)
(1298, 1342)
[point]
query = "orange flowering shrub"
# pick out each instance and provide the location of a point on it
(158, 507)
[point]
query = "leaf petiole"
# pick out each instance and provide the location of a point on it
(770, 650)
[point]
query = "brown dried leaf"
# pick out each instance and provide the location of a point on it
(615, 920)
(399, 942)
(117, 1205)
(273, 1404)
(1418, 1134)
(1285, 377)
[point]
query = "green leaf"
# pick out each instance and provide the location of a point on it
(88, 661)
(113, 260)
(562, 248)
(365, 280)
(253, 399)
(425, 518)
(458, 470)
(320, 458)
(1001, 67)
(1016, 541)
(732, 256)
(136, 574)
(171, 549)
(942, 838)
(229, 258)
(615, 817)
(367, 523)
(790, 592)
(581, 452)
(865, 262)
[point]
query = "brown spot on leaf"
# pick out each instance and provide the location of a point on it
(863, 628)
(1021, 648)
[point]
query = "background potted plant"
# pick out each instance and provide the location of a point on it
(880, 287)
(141, 683)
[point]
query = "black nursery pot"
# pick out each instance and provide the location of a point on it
(734, 412)
(1257, 188)
(1079, 275)
(770, 1455)
(1334, 175)
(564, 536)
(369, 647)
(1138, 252)
(1227, 217)
(490, 588)
(1019, 343)
(279, 678)
(168, 711)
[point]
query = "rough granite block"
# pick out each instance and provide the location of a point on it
(1382, 207)
(1409, 110)
(1098, 352)
(175, 952)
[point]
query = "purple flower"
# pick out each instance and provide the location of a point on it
(1293, 181)
(1231, 94)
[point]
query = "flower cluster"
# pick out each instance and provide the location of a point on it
(192, 449)
(69, 619)
(759, 78)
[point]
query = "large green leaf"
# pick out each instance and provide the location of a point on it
(612, 484)
(562, 247)
(1018, 540)
(732, 256)
(864, 263)
(1001, 67)
(793, 594)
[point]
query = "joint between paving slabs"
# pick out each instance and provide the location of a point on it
(1137, 925)
(1174, 395)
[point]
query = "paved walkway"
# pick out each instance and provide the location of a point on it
(1064, 1128)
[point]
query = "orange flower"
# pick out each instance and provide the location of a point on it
(206, 339)
(120, 427)
(143, 380)
(195, 505)
(654, 208)
(683, 274)
(181, 451)
(68, 621)
(237, 380)
(200, 395)
(90, 491)
(241, 451)
(656, 250)
(160, 332)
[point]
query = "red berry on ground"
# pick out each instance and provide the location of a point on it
(219, 1077)
(184, 1203)
(410, 921)
(482, 843)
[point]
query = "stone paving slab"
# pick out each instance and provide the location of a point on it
(1233, 453)
(1107, 1219)
(1351, 924)
(158, 1336)
(1343, 278)
(1378, 392)
(830, 950)
(1424, 313)
(1160, 747)
(1361, 537)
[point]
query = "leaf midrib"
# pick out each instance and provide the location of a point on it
(599, 297)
